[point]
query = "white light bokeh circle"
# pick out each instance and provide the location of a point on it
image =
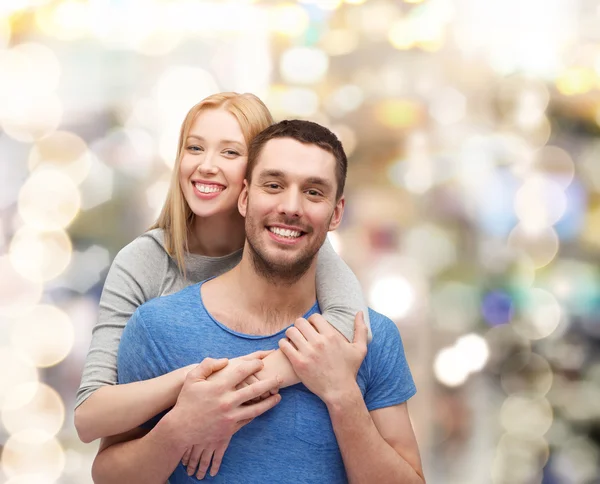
(288, 19)
(63, 151)
(540, 246)
(392, 295)
(33, 406)
(476, 349)
(33, 452)
(540, 203)
(526, 416)
(451, 367)
(304, 65)
(40, 256)
(21, 371)
(17, 293)
(45, 335)
(38, 118)
(49, 200)
(541, 316)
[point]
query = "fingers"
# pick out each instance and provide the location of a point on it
(204, 463)
(307, 330)
(256, 409)
(289, 350)
(257, 354)
(193, 460)
(206, 368)
(296, 337)
(186, 457)
(361, 332)
(319, 323)
(218, 458)
(255, 390)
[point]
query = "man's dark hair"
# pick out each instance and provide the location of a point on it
(304, 132)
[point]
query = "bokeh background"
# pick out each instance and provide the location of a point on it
(473, 215)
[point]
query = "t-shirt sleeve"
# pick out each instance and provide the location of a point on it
(339, 293)
(134, 278)
(389, 380)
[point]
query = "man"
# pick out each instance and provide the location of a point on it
(346, 421)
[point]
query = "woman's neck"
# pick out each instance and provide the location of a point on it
(218, 235)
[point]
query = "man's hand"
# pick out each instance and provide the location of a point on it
(207, 412)
(322, 358)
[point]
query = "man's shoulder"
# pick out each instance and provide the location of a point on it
(381, 324)
(172, 304)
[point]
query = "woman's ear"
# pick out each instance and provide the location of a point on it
(243, 199)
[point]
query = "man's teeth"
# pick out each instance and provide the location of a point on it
(208, 188)
(285, 232)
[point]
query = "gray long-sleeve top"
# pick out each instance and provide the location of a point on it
(144, 270)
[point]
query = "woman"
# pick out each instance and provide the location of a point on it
(199, 234)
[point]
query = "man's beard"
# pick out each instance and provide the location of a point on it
(285, 272)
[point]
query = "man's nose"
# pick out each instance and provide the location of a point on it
(291, 203)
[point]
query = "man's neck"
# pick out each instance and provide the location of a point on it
(262, 305)
(218, 235)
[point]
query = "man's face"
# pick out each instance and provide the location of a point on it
(290, 206)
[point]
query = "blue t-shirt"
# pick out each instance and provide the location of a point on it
(294, 441)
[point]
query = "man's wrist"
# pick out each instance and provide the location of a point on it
(171, 430)
(339, 399)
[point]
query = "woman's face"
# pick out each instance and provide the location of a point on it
(213, 163)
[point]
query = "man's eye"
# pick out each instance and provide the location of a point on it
(314, 193)
(273, 186)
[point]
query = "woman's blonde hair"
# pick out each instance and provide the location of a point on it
(176, 216)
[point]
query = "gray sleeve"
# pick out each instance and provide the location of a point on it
(339, 293)
(134, 277)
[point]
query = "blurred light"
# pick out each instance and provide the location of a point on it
(49, 200)
(519, 459)
(541, 315)
(524, 100)
(540, 203)
(451, 367)
(526, 373)
(526, 416)
(431, 247)
(475, 348)
(69, 20)
(156, 194)
(40, 256)
(581, 404)
(555, 164)
(130, 150)
(97, 188)
(540, 246)
(288, 19)
(41, 409)
(336, 241)
(43, 68)
(33, 452)
(17, 294)
(453, 317)
(323, 4)
(296, 101)
(40, 118)
(401, 34)
(392, 296)
(576, 460)
(496, 308)
(339, 41)
(5, 32)
(63, 151)
(355, 2)
(304, 65)
(44, 335)
(398, 113)
(347, 137)
(448, 106)
(576, 80)
(21, 371)
(344, 100)
(86, 268)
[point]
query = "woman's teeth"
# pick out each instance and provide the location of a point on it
(208, 188)
(292, 234)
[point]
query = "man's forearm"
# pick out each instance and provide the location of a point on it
(148, 459)
(367, 456)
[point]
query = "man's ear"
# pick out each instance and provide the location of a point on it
(338, 212)
(243, 199)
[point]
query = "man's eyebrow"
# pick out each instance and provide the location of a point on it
(315, 180)
(271, 174)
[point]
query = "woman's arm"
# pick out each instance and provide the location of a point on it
(339, 293)
(102, 407)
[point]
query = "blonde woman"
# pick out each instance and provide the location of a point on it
(199, 234)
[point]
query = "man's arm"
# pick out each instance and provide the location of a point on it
(205, 412)
(379, 446)
(376, 447)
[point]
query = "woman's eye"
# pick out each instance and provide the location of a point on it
(195, 148)
(232, 153)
